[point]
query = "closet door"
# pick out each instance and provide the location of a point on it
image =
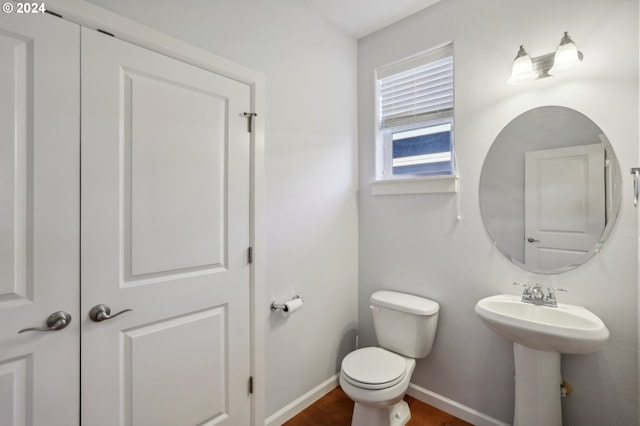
(165, 233)
(39, 220)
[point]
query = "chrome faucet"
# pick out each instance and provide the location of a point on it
(536, 296)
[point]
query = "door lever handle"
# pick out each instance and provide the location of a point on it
(102, 312)
(532, 240)
(56, 321)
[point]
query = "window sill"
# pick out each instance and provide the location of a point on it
(422, 185)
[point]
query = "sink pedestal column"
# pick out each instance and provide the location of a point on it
(538, 383)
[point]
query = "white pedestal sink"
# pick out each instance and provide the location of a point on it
(539, 335)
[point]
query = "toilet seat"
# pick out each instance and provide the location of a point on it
(373, 368)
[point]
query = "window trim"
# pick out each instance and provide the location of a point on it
(416, 185)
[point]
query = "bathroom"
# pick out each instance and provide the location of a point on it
(329, 240)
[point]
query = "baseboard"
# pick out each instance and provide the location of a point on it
(428, 397)
(295, 407)
(452, 407)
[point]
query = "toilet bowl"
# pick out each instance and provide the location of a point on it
(377, 378)
(377, 392)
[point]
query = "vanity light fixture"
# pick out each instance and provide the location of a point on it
(564, 58)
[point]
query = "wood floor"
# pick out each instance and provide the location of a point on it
(335, 408)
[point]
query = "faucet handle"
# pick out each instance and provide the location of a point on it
(551, 293)
(527, 289)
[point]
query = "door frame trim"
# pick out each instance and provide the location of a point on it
(95, 17)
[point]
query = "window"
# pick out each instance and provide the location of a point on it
(415, 116)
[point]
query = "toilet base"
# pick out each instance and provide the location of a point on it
(395, 415)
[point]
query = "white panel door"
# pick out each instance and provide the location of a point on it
(564, 204)
(165, 233)
(39, 220)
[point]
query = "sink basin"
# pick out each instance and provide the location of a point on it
(564, 329)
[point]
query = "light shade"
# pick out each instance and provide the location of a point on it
(522, 68)
(566, 57)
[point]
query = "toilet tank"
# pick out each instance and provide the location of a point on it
(404, 323)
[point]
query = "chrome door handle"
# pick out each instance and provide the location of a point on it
(102, 312)
(56, 321)
(531, 240)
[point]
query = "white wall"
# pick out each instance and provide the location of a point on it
(413, 243)
(311, 215)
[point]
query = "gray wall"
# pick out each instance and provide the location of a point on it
(311, 215)
(414, 243)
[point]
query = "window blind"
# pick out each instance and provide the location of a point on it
(418, 94)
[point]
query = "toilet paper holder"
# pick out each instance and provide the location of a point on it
(276, 306)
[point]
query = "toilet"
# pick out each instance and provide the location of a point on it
(377, 378)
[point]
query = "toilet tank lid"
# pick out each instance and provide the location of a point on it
(404, 302)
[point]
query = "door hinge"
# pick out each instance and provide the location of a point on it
(250, 116)
(251, 384)
(250, 255)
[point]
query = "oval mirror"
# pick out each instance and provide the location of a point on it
(550, 189)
